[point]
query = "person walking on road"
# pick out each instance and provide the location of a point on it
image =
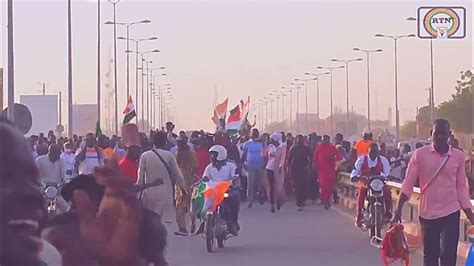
(274, 170)
(325, 159)
(254, 161)
(186, 160)
(51, 167)
(68, 158)
(439, 169)
(159, 163)
(88, 157)
(299, 162)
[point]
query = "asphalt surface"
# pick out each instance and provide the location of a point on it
(313, 237)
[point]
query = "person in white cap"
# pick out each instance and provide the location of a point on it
(274, 171)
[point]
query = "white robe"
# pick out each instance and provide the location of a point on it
(159, 199)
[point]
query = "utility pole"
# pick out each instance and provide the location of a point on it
(11, 76)
(1, 89)
(69, 68)
(60, 107)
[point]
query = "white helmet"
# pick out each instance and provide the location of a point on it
(221, 152)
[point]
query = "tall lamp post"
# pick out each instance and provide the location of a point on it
(330, 91)
(11, 74)
(367, 53)
(161, 107)
(317, 94)
(306, 98)
(137, 65)
(395, 38)
(297, 87)
(290, 91)
(69, 67)
(114, 3)
(127, 25)
(432, 102)
(153, 90)
(347, 61)
(144, 73)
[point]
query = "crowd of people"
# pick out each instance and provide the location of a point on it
(165, 168)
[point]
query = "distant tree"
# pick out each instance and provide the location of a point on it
(424, 115)
(459, 109)
(408, 130)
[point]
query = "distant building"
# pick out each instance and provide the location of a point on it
(84, 118)
(44, 112)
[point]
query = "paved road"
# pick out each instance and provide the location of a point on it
(314, 237)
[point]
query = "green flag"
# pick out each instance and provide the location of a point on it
(98, 131)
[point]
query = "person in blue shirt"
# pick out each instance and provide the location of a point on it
(254, 162)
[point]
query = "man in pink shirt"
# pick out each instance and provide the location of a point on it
(443, 195)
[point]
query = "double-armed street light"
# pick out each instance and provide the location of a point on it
(137, 65)
(330, 92)
(368, 52)
(347, 62)
(316, 75)
(395, 38)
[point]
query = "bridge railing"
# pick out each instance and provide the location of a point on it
(349, 189)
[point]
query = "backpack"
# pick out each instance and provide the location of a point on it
(394, 246)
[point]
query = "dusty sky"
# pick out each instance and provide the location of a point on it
(241, 48)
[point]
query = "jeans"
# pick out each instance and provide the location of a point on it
(254, 182)
(440, 240)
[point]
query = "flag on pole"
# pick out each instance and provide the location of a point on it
(129, 111)
(245, 110)
(233, 122)
(98, 131)
(220, 112)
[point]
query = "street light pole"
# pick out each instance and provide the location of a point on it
(395, 38)
(137, 54)
(114, 3)
(368, 52)
(317, 95)
(11, 74)
(69, 68)
(347, 61)
(331, 94)
(432, 104)
(98, 62)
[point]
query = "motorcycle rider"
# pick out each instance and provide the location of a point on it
(220, 169)
(367, 166)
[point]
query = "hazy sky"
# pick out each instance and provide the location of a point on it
(241, 48)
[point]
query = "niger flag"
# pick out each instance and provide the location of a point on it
(233, 122)
(129, 111)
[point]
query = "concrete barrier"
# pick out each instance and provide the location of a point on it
(348, 193)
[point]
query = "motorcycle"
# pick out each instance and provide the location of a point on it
(217, 228)
(51, 192)
(374, 211)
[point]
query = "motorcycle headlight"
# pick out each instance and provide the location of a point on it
(51, 192)
(376, 185)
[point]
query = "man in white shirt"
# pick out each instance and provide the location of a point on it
(88, 157)
(220, 169)
(398, 164)
(68, 158)
(51, 167)
(367, 166)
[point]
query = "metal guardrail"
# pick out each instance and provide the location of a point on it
(410, 213)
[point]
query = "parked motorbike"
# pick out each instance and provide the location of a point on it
(374, 211)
